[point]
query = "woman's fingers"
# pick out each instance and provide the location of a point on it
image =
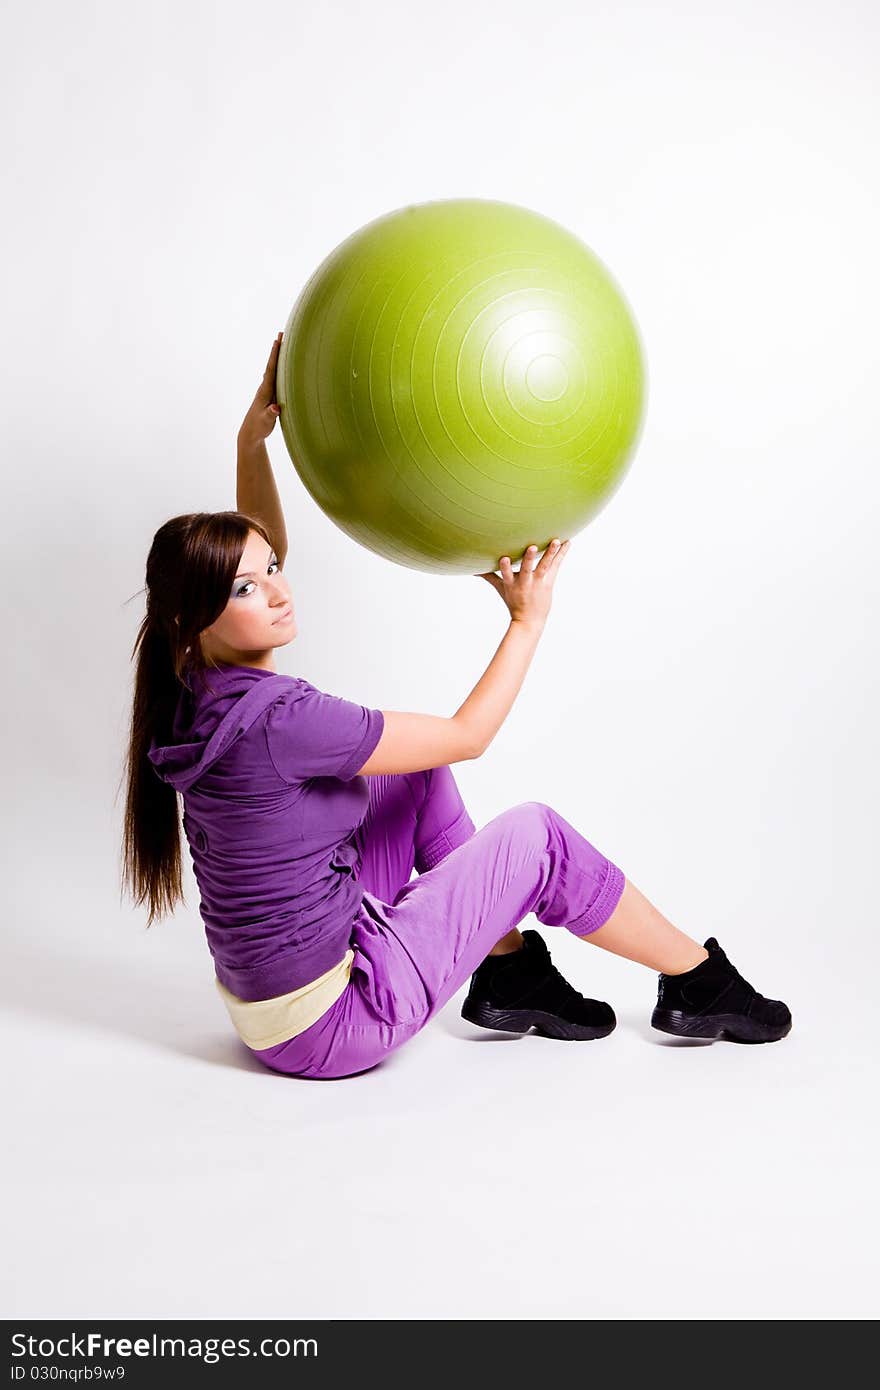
(273, 356)
(551, 557)
(553, 554)
(266, 389)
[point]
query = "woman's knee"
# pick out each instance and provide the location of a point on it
(531, 818)
(436, 781)
(438, 796)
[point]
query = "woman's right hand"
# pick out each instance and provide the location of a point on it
(528, 591)
(264, 410)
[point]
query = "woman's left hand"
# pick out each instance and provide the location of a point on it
(259, 422)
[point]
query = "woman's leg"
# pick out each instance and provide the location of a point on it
(414, 952)
(414, 820)
(639, 932)
(701, 994)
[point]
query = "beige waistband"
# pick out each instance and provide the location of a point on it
(265, 1022)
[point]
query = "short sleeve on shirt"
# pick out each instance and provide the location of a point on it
(312, 734)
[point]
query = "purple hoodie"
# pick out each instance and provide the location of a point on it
(266, 766)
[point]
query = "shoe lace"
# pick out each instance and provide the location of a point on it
(550, 975)
(564, 990)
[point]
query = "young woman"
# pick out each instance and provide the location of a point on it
(305, 815)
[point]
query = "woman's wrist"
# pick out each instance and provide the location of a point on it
(249, 442)
(533, 625)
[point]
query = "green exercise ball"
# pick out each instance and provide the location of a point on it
(458, 380)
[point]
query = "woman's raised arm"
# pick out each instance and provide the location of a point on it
(256, 491)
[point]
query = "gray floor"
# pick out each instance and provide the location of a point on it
(158, 1171)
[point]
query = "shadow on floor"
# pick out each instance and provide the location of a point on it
(138, 999)
(149, 1000)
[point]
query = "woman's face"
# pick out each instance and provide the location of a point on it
(259, 615)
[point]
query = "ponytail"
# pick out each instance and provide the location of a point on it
(151, 845)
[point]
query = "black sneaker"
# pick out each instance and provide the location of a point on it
(523, 990)
(714, 1001)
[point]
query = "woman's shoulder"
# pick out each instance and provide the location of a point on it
(231, 684)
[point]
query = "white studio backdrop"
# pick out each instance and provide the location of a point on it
(703, 703)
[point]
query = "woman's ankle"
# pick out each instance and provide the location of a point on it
(682, 964)
(513, 941)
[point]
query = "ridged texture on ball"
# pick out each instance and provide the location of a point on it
(457, 380)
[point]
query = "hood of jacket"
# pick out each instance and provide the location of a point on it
(218, 706)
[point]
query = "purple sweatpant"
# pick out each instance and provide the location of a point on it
(417, 942)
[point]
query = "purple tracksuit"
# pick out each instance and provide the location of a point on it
(298, 858)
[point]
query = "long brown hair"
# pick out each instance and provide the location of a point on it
(190, 570)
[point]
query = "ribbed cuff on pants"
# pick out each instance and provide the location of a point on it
(461, 829)
(603, 904)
